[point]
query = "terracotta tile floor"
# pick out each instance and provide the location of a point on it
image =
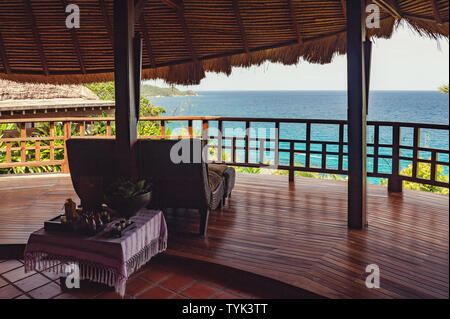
(162, 278)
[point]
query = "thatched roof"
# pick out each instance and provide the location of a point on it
(183, 39)
(10, 90)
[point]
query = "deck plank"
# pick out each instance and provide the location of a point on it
(293, 233)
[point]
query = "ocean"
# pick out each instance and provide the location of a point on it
(402, 106)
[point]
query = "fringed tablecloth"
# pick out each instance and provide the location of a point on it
(100, 258)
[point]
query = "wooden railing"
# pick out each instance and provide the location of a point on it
(391, 145)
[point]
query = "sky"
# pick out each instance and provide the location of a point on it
(404, 62)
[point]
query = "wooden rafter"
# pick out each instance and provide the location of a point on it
(4, 56)
(178, 6)
(147, 41)
(344, 8)
(107, 20)
(139, 6)
(172, 4)
(436, 13)
(37, 39)
(390, 7)
(76, 42)
(237, 14)
(295, 25)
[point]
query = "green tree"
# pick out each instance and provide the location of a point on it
(106, 91)
(424, 172)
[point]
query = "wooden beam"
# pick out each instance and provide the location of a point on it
(344, 8)
(4, 56)
(295, 25)
(137, 46)
(172, 4)
(180, 13)
(75, 42)
(37, 39)
(237, 14)
(356, 114)
(148, 43)
(124, 78)
(436, 13)
(108, 23)
(139, 6)
(367, 68)
(391, 7)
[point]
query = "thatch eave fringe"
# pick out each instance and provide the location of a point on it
(171, 61)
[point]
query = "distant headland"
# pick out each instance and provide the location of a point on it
(155, 91)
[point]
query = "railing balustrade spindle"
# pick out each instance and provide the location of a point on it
(395, 180)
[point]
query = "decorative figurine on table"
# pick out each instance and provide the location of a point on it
(83, 220)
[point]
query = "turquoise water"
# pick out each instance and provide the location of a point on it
(397, 106)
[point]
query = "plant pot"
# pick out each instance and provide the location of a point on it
(127, 207)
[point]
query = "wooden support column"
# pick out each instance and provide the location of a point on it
(137, 72)
(367, 67)
(356, 114)
(124, 77)
(67, 134)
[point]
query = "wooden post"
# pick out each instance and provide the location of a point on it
(23, 136)
(51, 133)
(367, 67)
(220, 142)
(262, 150)
(308, 145)
(291, 162)
(124, 77)
(247, 141)
(37, 154)
(394, 182)
(137, 72)
(356, 115)
(277, 144)
(82, 128)
(341, 147)
(205, 127)
(163, 129)
(190, 130)
(416, 145)
(67, 135)
(8, 152)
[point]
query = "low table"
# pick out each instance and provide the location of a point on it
(100, 258)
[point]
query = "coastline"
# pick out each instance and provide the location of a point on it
(174, 95)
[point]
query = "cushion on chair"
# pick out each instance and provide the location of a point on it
(214, 180)
(218, 168)
(227, 172)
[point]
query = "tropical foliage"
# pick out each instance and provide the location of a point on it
(150, 90)
(424, 172)
(41, 130)
(105, 91)
(444, 89)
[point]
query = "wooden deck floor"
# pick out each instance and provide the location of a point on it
(295, 234)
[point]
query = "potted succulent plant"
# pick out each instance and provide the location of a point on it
(127, 197)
